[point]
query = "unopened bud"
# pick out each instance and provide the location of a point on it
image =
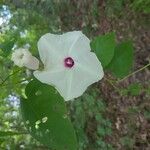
(22, 57)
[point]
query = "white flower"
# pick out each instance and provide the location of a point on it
(22, 57)
(69, 64)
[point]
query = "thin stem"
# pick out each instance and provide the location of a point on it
(111, 83)
(134, 72)
(9, 77)
(16, 82)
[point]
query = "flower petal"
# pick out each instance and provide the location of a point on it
(57, 78)
(70, 82)
(85, 73)
(80, 45)
(54, 48)
(51, 50)
(50, 76)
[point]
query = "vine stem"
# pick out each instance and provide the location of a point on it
(111, 83)
(115, 87)
(8, 77)
(134, 73)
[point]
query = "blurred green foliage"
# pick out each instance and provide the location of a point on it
(90, 122)
(141, 6)
(115, 7)
(127, 142)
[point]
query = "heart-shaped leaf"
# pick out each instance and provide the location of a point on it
(45, 116)
(122, 61)
(104, 46)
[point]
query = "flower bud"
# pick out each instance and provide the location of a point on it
(23, 58)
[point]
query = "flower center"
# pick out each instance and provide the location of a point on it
(68, 62)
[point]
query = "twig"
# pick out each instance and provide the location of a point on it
(134, 73)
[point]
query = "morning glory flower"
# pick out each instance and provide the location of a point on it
(23, 58)
(69, 64)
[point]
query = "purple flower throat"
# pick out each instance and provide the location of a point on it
(68, 62)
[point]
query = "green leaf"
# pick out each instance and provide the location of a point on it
(45, 117)
(104, 46)
(122, 61)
